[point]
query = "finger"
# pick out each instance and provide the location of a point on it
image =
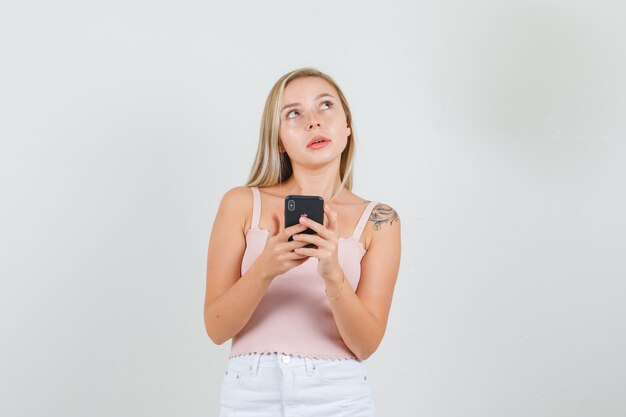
(292, 230)
(290, 246)
(297, 256)
(314, 239)
(288, 249)
(307, 251)
(315, 226)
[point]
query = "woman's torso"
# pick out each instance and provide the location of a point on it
(294, 315)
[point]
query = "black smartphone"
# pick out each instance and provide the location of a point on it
(311, 206)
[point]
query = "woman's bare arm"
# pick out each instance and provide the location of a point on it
(230, 298)
(361, 316)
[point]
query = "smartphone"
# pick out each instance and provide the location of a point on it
(311, 206)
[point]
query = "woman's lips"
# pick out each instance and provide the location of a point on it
(314, 145)
(319, 145)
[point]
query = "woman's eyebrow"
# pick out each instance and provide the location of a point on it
(298, 104)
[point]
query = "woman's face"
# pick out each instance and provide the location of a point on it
(311, 107)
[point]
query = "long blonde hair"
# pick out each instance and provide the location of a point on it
(272, 167)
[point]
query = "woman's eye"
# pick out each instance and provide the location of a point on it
(296, 112)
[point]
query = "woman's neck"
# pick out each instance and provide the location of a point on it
(328, 190)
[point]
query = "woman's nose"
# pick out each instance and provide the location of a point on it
(313, 122)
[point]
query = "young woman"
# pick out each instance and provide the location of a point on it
(301, 320)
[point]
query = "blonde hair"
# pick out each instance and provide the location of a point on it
(272, 167)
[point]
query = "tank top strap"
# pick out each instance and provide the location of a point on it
(363, 220)
(256, 207)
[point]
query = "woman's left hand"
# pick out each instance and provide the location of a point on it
(327, 244)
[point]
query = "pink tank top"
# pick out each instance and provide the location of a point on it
(294, 315)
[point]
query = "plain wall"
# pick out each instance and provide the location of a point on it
(495, 129)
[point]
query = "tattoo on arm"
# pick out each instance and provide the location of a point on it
(382, 214)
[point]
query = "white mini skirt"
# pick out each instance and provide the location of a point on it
(279, 385)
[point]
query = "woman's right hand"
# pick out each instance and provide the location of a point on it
(278, 256)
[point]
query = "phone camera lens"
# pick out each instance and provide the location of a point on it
(291, 205)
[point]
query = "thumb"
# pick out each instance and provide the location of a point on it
(275, 226)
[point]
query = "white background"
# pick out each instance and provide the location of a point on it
(495, 129)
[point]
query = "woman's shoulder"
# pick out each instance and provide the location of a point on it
(237, 195)
(381, 219)
(383, 214)
(237, 202)
(379, 216)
